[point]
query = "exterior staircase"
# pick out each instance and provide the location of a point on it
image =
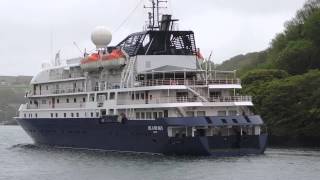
(203, 99)
(128, 73)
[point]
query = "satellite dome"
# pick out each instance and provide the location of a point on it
(101, 37)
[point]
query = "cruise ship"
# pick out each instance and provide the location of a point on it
(151, 93)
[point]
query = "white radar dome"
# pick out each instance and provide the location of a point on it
(101, 37)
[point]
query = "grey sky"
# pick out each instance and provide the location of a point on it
(228, 27)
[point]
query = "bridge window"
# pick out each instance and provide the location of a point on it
(67, 100)
(36, 115)
(56, 115)
(72, 114)
(65, 115)
(58, 101)
(75, 100)
(77, 114)
(91, 114)
(52, 115)
(137, 115)
(137, 97)
(83, 99)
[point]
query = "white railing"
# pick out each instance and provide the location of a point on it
(164, 100)
(64, 91)
(186, 82)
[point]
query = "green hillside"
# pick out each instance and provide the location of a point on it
(285, 79)
(12, 91)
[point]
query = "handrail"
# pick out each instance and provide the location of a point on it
(186, 82)
(185, 99)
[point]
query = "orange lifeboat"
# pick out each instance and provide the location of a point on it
(114, 60)
(91, 62)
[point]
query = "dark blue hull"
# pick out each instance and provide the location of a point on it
(136, 136)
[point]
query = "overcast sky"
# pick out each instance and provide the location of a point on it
(226, 27)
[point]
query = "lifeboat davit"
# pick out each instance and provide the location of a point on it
(91, 62)
(114, 60)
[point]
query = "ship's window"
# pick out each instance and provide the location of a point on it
(248, 120)
(77, 114)
(52, 115)
(137, 97)
(47, 88)
(137, 115)
(166, 113)
(56, 115)
(25, 115)
(31, 115)
(44, 102)
(142, 96)
(201, 113)
(83, 99)
(58, 101)
(67, 100)
(111, 111)
(190, 113)
(222, 113)
(232, 113)
(150, 96)
(149, 115)
(160, 115)
(65, 115)
(75, 100)
(91, 114)
(36, 115)
(132, 96)
(235, 121)
(97, 114)
(155, 115)
(143, 115)
(112, 95)
(224, 121)
(92, 99)
(30, 102)
(72, 114)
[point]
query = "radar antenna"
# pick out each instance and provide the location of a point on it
(154, 15)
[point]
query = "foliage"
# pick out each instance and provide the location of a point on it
(285, 81)
(290, 106)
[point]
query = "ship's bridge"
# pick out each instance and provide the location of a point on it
(159, 43)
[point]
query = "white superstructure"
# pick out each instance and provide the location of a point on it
(149, 75)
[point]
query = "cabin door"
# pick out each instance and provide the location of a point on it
(53, 102)
(147, 97)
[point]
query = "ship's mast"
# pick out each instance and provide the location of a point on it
(154, 15)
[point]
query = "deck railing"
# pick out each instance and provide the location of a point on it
(186, 82)
(163, 100)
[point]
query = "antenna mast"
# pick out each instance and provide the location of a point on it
(154, 15)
